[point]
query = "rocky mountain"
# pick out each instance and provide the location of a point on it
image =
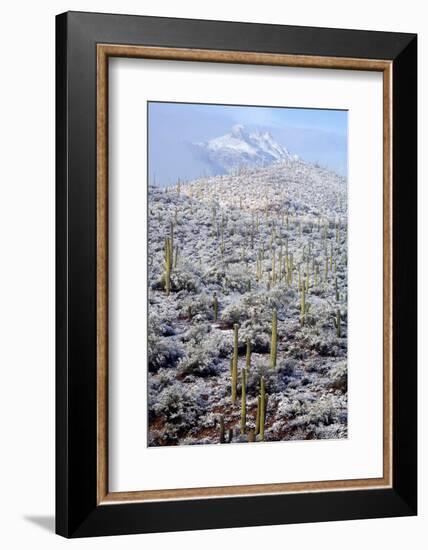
(240, 148)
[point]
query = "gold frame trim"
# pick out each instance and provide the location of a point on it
(104, 51)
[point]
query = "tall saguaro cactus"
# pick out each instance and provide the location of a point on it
(337, 324)
(243, 400)
(302, 306)
(235, 362)
(215, 306)
(262, 413)
(248, 355)
(257, 428)
(273, 272)
(259, 267)
(222, 434)
(171, 235)
(168, 264)
(274, 343)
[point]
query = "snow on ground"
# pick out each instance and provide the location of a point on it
(255, 241)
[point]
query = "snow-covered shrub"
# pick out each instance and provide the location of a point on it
(297, 351)
(286, 367)
(184, 279)
(197, 305)
(237, 278)
(197, 332)
(322, 411)
(214, 275)
(203, 350)
(163, 352)
(260, 367)
(259, 335)
(333, 431)
(179, 406)
(234, 313)
(289, 408)
(198, 361)
(210, 420)
(339, 378)
(181, 279)
(326, 345)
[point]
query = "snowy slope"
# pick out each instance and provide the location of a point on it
(287, 184)
(251, 240)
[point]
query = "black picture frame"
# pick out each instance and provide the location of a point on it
(77, 511)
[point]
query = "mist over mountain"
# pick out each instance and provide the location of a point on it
(241, 148)
(189, 141)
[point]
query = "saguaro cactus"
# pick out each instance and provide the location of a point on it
(243, 400)
(302, 306)
(290, 268)
(235, 362)
(222, 434)
(272, 237)
(171, 234)
(248, 355)
(259, 269)
(168, 265)
(273, 268)
(337, 324)
(262, 408)
(257, 428)
(215, 306)
(274, 343)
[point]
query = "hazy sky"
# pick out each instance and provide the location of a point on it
(315, 135)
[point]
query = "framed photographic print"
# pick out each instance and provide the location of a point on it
(236, 274)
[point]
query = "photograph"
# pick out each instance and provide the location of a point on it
(247, 232)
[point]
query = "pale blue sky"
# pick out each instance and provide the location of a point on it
(316, 135)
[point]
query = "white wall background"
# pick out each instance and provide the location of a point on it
(27, 272)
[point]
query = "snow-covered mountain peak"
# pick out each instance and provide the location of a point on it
(240, 148)
(239, 131)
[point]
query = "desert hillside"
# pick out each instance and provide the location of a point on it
(247, 325)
